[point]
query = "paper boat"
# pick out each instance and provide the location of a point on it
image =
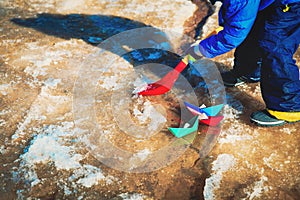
(189, 127)
(196, 110)
(207, 115)
(213, 110)
(212, 120)
(209, 111)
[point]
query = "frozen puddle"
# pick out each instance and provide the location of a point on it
(124, 131)
(128, 132)
(137, 117)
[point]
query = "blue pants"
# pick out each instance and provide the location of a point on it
(274, 38)
(248, 54)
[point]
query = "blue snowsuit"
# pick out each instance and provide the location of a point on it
(266, 30)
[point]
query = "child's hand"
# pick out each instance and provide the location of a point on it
(194, 52)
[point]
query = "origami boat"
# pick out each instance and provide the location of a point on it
(207, 115)
(209, 111)
(188, 128)
(212, 120)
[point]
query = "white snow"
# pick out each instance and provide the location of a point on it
(67, 190)
(134, 196)
(50, 146)
(69, 5)
(161, 45)
(234, 138)
(44, 104)
(139, 85)
(181, 9)
(223, 163)
(138, 158)
(143, 154)
(52, 83)
(45, 148)
(93, 175)
(233, 108)
(288, 130)
(257, 189)
(148, 113)
(2, 150)
(273, 163)
(4, 88)
(110, 82)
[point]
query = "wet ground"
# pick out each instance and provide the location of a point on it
(51, 66)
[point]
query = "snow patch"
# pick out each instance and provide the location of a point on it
(139, 85)
(273, 162)
(148, 112)
(141, 155)
(52, 83)
(234, 138)
(222, 164)
(2, 149)
(93, 175)
(45, 148)
(288, 130)
(45, 104)
(69, 5)
(55, 144)
(110, 82)
(233, 109)
(135, 196)
(179, 10)
(257, 189)
(4, 88)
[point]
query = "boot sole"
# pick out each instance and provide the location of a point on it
(233, 85)
(267, 124)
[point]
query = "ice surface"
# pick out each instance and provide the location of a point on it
(148, 113)
(222, 164)
(139, 85)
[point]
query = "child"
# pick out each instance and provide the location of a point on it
(266, 34)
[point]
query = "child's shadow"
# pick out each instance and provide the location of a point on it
(91, 28)
(98, 29)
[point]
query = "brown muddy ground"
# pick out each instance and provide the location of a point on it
(44, 48)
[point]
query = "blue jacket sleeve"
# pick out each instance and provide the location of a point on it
(237, 18)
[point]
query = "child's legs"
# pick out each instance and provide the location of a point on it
(248, 53)
(280, 81)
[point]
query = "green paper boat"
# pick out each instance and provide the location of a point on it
(192, 127)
